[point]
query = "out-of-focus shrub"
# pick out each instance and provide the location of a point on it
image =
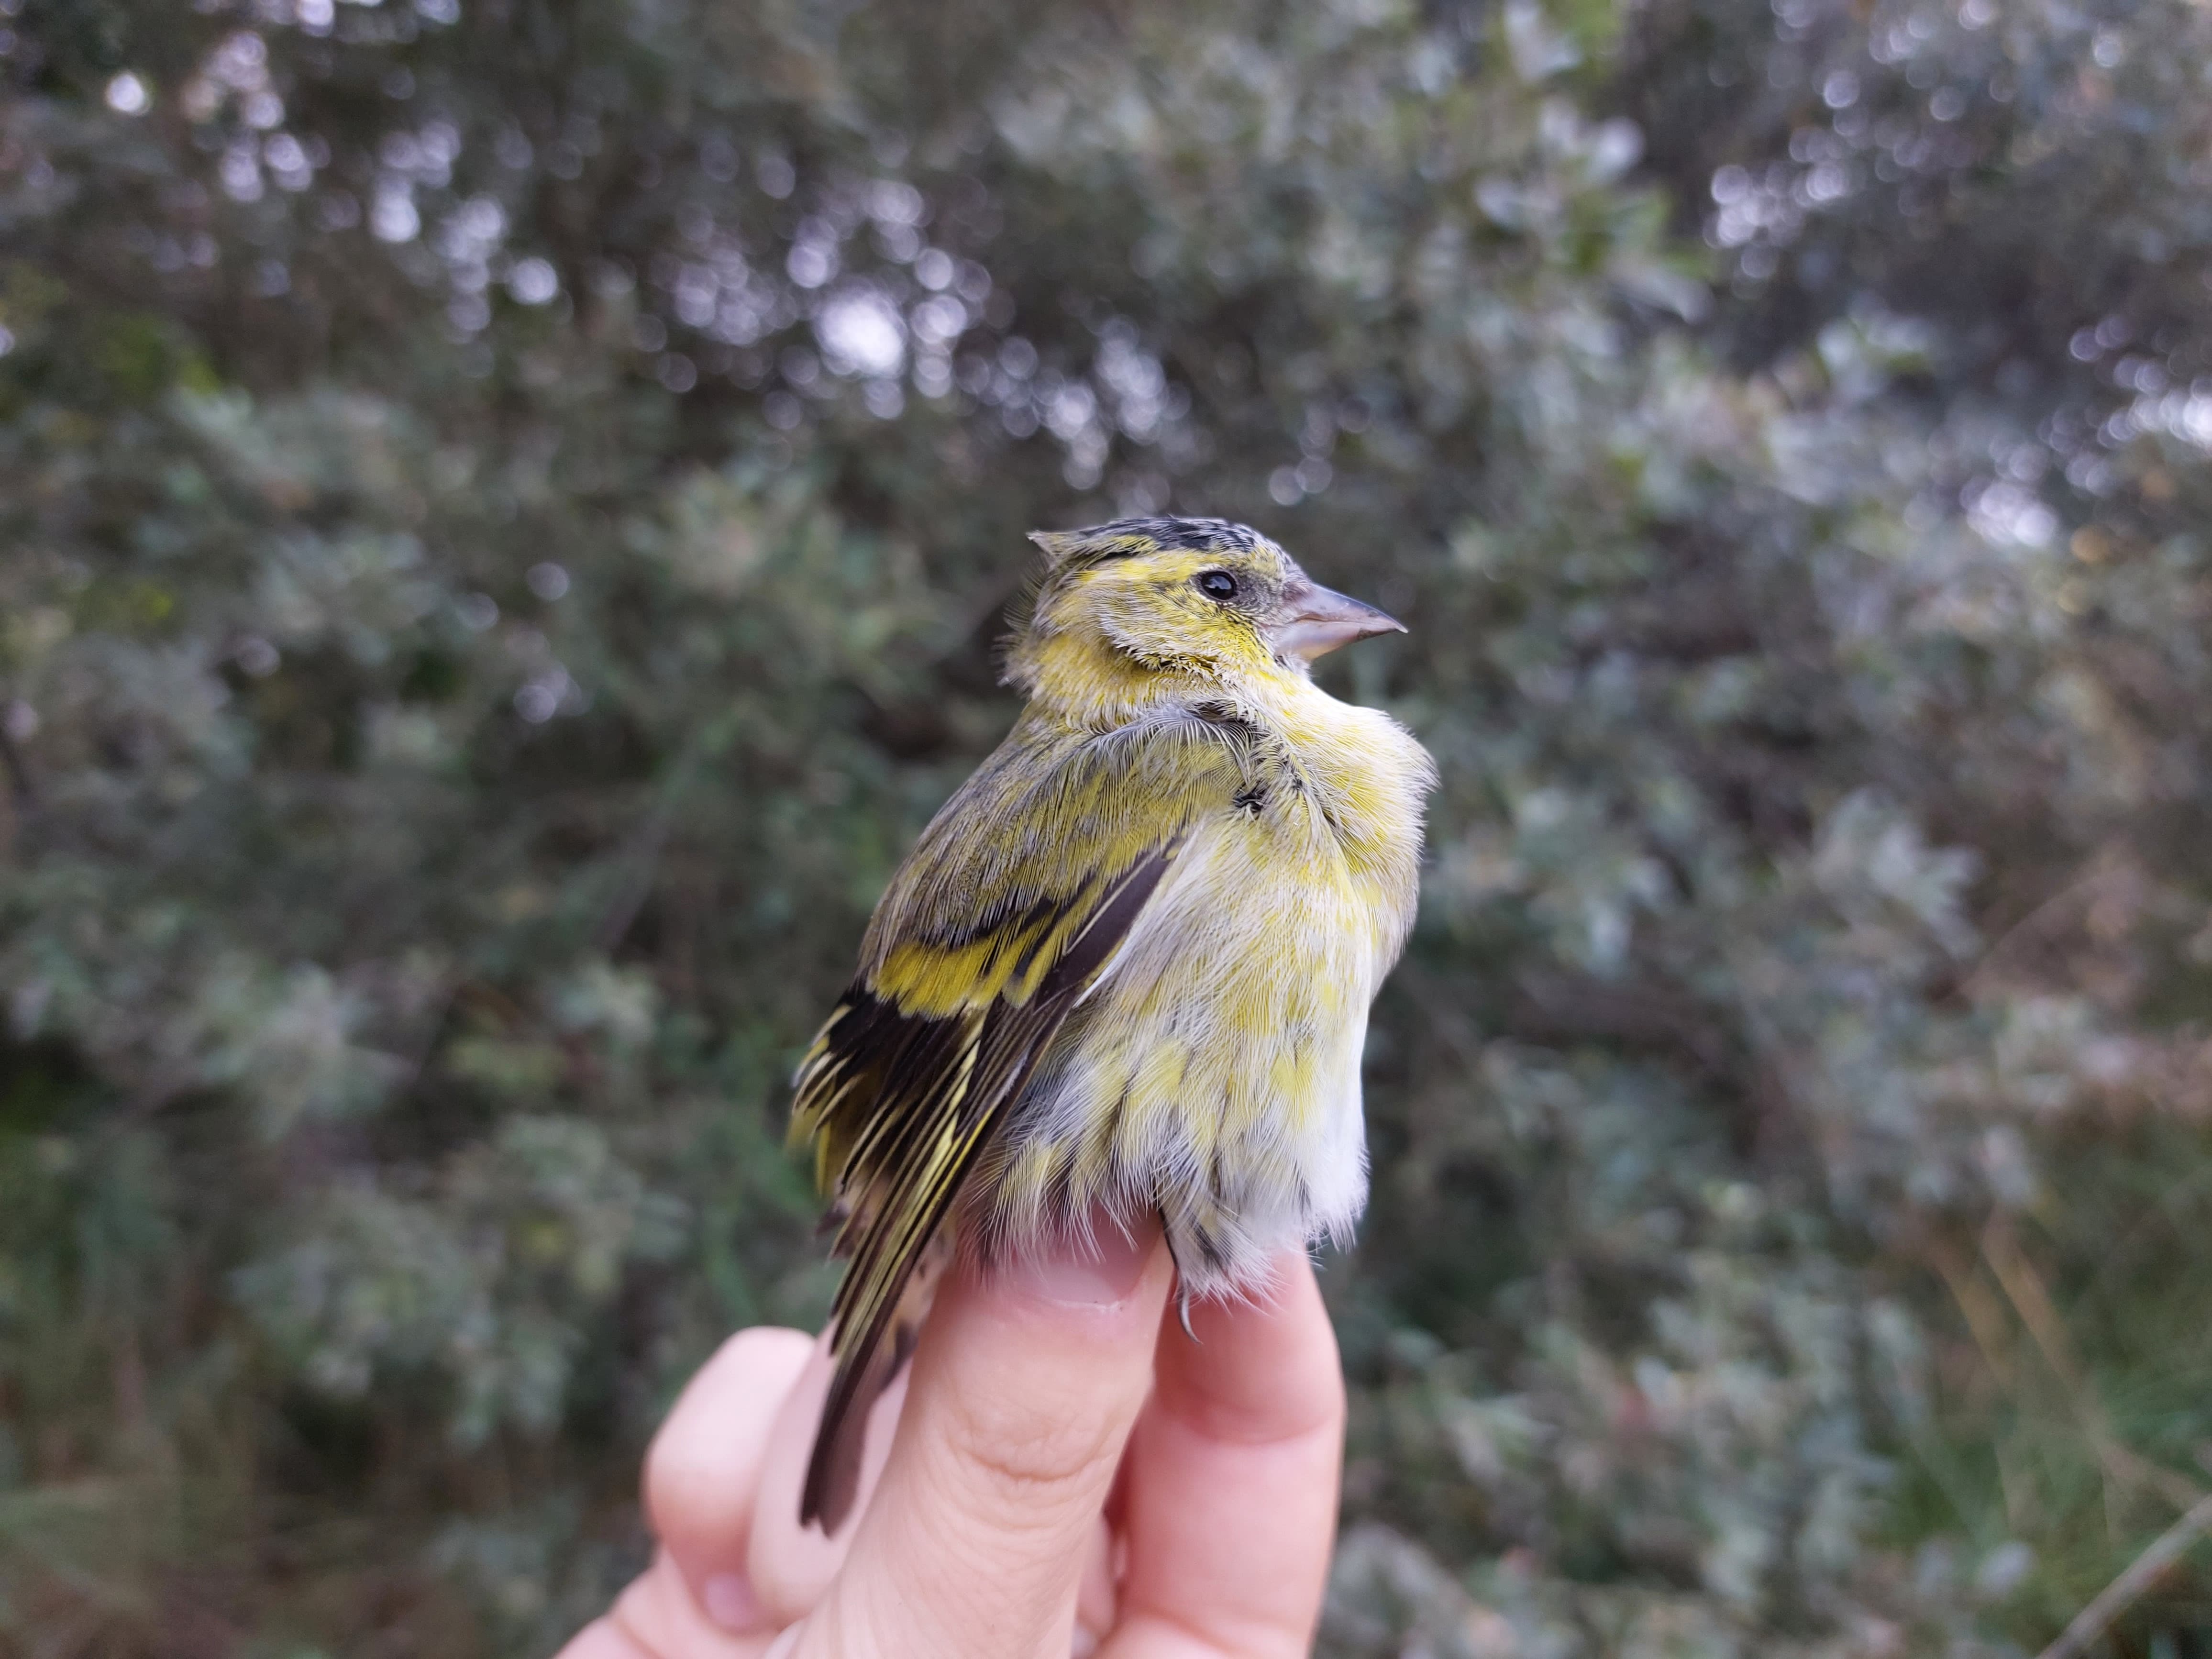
(508, 507)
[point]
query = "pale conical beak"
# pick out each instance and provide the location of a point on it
(1316, 620)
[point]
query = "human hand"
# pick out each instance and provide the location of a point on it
(1070, 1473)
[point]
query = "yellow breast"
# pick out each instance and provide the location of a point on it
(1212, 1072)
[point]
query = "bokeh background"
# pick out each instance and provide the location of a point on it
(507, 505)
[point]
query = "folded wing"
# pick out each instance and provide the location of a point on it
(999, 921)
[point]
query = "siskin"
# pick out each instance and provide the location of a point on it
(1127, 968)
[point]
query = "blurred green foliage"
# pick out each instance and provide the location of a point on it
(507, 507)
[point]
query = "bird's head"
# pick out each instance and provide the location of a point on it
(1199, 597)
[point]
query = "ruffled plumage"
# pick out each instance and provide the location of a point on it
(1129, 962)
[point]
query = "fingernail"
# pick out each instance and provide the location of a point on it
(730, 1602)
(1092, 1271)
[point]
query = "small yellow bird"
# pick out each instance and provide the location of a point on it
(1127, 968)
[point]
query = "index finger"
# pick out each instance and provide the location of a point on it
(1024, 1385)
(1233, 1476)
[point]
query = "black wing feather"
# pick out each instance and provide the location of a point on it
(901, 1107)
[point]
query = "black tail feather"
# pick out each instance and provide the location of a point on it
(865, 1370)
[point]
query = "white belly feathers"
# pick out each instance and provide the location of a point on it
(1212, 1073)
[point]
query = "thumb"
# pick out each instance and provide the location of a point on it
(1024, 1388)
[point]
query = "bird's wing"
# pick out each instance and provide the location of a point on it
(1002, 917)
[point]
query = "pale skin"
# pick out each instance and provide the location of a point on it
(1070, 1473)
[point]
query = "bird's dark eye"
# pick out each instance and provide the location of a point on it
(1217, 585)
